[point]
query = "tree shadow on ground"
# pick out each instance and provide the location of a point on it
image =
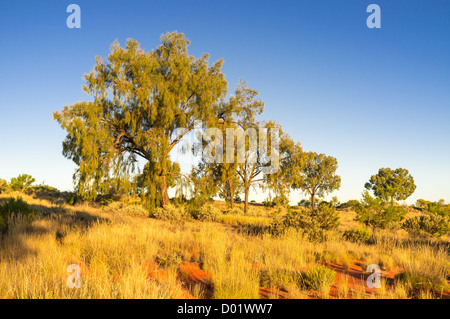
(12, 242)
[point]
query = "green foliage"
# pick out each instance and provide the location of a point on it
(130, 210)
(14, 207)
(392, 185)
(421, 281)
(431, 225)
(268, 203)
(437, 208)
(304, 203)
(21, 182)
(317, 175)
(352, 203)
(207, 212)
(234, 211)
(139, 101)
(72, 199)
(357, 235)
(170, 213)
(318, 278)
(376, 213)
(3, 185)
(314, 223)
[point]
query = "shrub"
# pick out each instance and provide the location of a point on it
(14, 207)
(267, 203)
(3, 185)
(169, 212)
(314, 223)
(22, 182)
(357, 235)
(437, 208)
(207, 212)
(318, 278)
(134, 210)
(72, 199)
(431, 225)
(418, 281)
(375, 213)
(234, 211)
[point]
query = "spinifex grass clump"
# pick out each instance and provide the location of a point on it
(13, 208)
(319, 278)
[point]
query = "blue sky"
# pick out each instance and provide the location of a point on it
(369, 97)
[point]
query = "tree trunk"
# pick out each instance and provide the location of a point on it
(230, 183)
(164, 191)
(247, 189)
(312, 201)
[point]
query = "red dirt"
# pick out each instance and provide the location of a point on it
(191, 275)
(272, 293)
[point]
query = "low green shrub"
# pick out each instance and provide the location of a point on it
(318, 278)
(432, 225)
(72, 199)
(234, 211)
(314, 222)
(416, 282)
(358, 235)
(15, 207)
(169, 212)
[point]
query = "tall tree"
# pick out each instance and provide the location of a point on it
(392, 185)
(318, 176)
(290, 161)
(139, 100)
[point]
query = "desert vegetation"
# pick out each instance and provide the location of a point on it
(131, 240)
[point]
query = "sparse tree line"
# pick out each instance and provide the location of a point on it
(140, 101)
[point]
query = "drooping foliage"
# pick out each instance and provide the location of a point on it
(138, 101)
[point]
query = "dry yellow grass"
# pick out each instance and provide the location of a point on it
(114, 252)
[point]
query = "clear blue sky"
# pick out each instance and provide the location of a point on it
(370, 97)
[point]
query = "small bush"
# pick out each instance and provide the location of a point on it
(130, 210)
(319, 278)
(432, 225)
(417, 282)
(134, 210)
(314, 223)
(234, 211)
(3, 185)
(72, 199)
(14, 207)
(169, 212)
(357, 235)
(207, 213)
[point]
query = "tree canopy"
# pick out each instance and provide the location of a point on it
(317, 175)
(139, 100)
(391, 185)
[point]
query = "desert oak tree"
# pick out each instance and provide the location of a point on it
(139, 99)
(317, 176)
